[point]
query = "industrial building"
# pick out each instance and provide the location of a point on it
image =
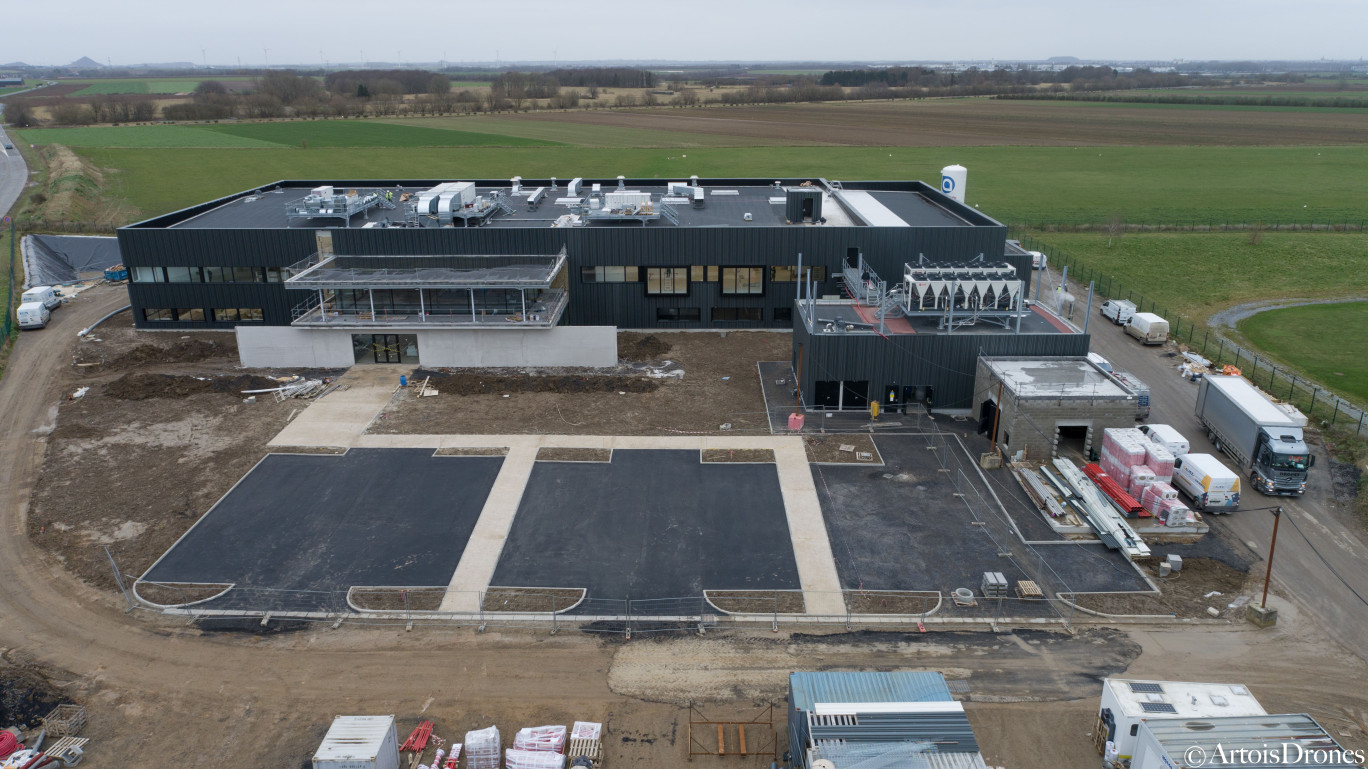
(542, 273)
(1241, 742)
(1040, 405)
(904, 719)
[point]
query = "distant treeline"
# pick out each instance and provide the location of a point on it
(604, 77)
(1087, 78)
(384, 81)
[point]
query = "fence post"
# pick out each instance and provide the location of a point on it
(1359, 430)
(1271, 377)
(1292, 391)
(774, 622)
(554, 626)
(1315, 390)
(1255, 369)
(1335, 415)
(1221, 353)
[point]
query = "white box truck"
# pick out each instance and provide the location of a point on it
(1263, 439)
(1169, 438)
(45, 294)
(1213, 487)
(32, 315)
(1148, 328)
(1118, 311)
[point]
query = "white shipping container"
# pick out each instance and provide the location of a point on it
(359, 742)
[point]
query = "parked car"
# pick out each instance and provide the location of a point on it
(1118, 311)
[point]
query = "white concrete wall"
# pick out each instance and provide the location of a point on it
(559, 346)
(288, 347)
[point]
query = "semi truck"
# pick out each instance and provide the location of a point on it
(1264, 440)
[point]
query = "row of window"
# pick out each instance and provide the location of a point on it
(667, 281)
(196, 314)
(207, 275)
(720, 314)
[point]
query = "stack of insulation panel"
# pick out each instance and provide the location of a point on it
(1140, 477)
(483, 748)
(1122, 449)
(1160, 460)
(1155, 494)
(1175, 513)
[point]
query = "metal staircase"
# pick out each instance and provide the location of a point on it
(668, 213)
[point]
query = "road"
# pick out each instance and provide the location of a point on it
(1329, 527)
(13, 173)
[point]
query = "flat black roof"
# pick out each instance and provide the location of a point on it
(727, 202)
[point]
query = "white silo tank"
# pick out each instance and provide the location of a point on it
(952, 181)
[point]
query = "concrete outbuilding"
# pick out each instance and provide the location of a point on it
(1039, 406)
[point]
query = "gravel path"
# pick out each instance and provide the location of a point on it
(1229, 317)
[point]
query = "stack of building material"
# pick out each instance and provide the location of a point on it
(1122, 449)
(1128, 504)
(534, 759)
(994, 584)
(586, 740)
(1174, 513)
(547, 738)
(1156, 494)
(1140, 477)
(1160, 460)
(482, 748)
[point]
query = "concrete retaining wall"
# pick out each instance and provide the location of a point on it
(288, 347)
(559, 346)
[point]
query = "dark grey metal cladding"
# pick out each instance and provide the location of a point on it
(944, 362)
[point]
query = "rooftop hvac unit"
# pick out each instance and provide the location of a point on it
(515, 185)
(572, 189)
(536, 197)
(693, 180)
(326, 191)
(622, 182)
(679, 188)
(615, 200)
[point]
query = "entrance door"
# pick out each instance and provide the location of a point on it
(385, 348)
(987, 415)
(827, 395)
(855, 395)
(892, 400)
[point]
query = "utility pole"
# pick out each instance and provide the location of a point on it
(1268, 574)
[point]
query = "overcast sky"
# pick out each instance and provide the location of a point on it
(310, 33)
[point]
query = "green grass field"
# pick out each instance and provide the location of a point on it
(1325, 341)
(1196, 274)
(584, 134)
(96, 86)
(1023, 186)
(323, 133)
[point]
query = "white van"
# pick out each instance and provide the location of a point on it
(1212, 486)
(1167, 437)
(1148, 328)
(1118, 311)
(45, 294)
(1038, 260)
(33, 315)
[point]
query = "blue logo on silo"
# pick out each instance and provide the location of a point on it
(947, 184)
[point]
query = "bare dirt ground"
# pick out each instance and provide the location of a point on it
(719, 386)
(160, 435)
(985, 122)
(161, 692)
(1203, 583)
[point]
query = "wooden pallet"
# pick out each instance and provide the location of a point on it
(580, 747)
(1026, 588)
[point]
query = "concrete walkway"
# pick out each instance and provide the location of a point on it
(340, 418)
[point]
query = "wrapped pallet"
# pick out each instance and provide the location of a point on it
(534, 759)
(483, 748)
(547, 738)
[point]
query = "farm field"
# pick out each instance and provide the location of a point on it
(1325, 341)
(587, 134)
(317, 133)
(98, 86)
(1196, 274)
(1026, 187)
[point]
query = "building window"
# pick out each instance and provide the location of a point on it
(788, 273)
(703, 274)
(783, 314)
(234, 274)
(182, 275)
(274, 274)
(218, 274)
(148, 275)
(247, 275)
(237, 315)
(743, 280)
(735, 313)
(678, 314)
(609, 274)
(666, 280)
(158, 316)
(193, 314)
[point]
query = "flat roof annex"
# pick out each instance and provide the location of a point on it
(728, 201)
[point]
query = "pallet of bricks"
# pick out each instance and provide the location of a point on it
(1137, 463)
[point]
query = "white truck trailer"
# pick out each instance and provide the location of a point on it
(1265, 441)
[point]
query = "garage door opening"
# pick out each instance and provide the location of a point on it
(1073, 440)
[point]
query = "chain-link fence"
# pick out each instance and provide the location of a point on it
(1085, 223)
(1319, 404)
(9, 287)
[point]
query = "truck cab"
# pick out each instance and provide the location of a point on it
(1281, 464)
